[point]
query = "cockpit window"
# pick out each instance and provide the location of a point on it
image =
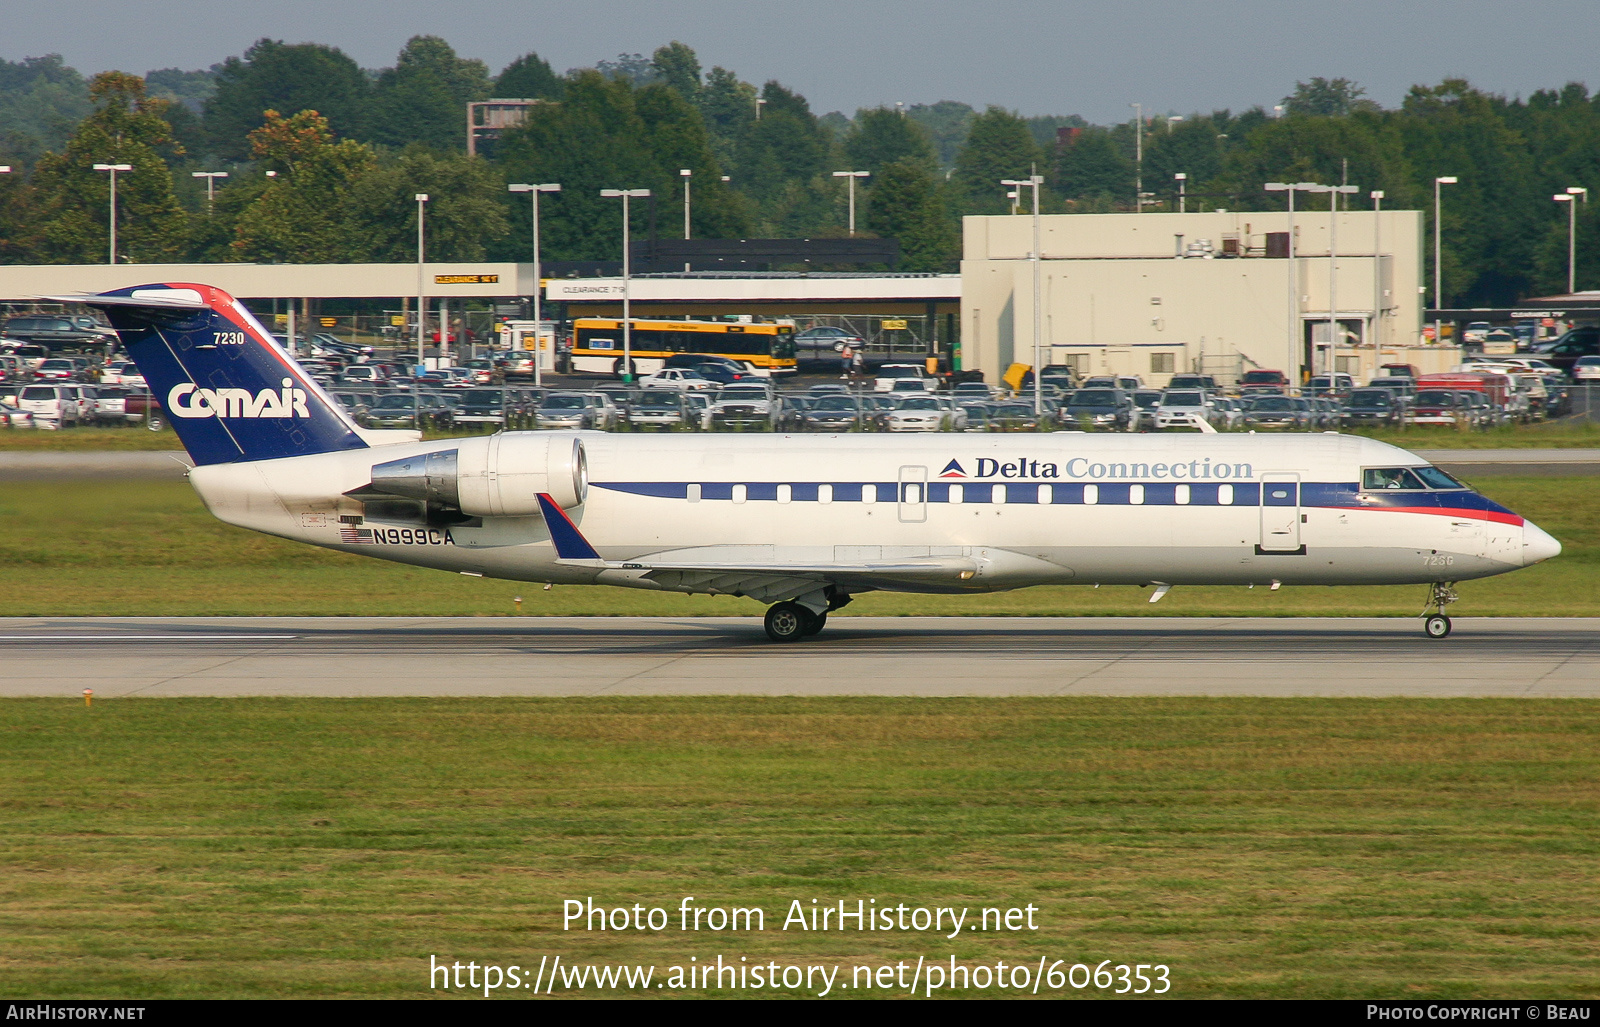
(1376, 478)
(1437, 479)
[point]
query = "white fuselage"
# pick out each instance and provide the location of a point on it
(983, 513)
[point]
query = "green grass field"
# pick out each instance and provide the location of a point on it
(1257, 847)
(121, 548)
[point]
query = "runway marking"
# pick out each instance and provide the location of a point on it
(140, 638)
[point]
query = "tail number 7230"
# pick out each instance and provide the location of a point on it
(229, 338)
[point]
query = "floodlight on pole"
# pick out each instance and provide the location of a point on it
(760, 103)
(422, 285)
(627, 325)
(1333, 263)
(1377, 265)
(1570, 198)
(686, 174)
(1295, 342)
(1034, 182)
(533, 192)
(111, 250)
(1183, 181)
(1138, 157)
(850, 178)
(211, 181)
(1438, 269)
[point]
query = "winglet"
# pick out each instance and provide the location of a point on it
(569, 541)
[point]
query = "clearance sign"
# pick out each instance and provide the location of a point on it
(466, 279)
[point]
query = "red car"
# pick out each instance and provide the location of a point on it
(1264, 381)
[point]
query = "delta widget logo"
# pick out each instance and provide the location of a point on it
(953, 469)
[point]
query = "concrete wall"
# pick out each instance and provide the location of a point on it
(1116, 299)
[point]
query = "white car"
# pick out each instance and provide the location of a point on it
(1587, 369)
(52, 406)
(1182, 408)
(889, 374)
(745, 406)
(925, 413)
(677, 378)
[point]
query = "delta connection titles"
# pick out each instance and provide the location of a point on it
(816, 915)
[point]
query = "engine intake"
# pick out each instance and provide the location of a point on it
(497, 476)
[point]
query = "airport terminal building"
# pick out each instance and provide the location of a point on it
(1157, 294)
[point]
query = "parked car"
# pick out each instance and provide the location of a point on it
(1204, 382)
(833, 413)
(416, 409)
(52, 406)
(889, 374)
(1441, 407)
(742, 406)
(56, 369)
(1019, 416)
(1145, 402)
(363, 374)
(1182, 408)
(825, 341)
(577, 410)
(1337, 385)
(1586, 369)
(55, 331)
(1372, 408)
(30, 353)
(1101, 409)
(660, 408)
(677, 378)
(924, 413)
(1263, 381)
(1270, 411)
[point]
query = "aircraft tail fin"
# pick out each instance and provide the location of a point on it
(230, 391)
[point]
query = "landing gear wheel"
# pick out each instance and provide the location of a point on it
(815, 623)
(1440, 595)
(787, 622)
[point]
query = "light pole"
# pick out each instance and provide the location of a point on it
(533, 192)
(686, 174)
(1172, 119)
(111, 251)
(1570, 198)
(1034, 181)
(1182, 180)
(1438, 270)
(422, 288)
(850, 177)
(1138, 157)
(1377, 269)
(1333, 265)
(627, 326)
(760, 103)
(211, 181)
(1295, 342)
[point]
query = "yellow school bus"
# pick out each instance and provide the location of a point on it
(597, 344)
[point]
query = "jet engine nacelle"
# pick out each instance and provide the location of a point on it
(496, 476)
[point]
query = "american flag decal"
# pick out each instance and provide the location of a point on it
(358, 536)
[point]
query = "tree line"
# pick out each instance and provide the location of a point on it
(323, 159)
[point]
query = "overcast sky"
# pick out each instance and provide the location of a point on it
(1034, 56)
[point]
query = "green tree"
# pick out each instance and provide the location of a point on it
(727, 105)
(677, 66)
(1327, 98)
(303, 215)
(948, 123)
(786, 145)
(1000, 146)
(19, 227)
(608, 135)
(423, 98)
(529, 77)
(276, 76)
(1192, 147)
(1093, 172)
(126, 127)
(466, 212)
(883, 136)
(41, 101)
(905, 204)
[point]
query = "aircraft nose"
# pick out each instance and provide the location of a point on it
(1537, 544)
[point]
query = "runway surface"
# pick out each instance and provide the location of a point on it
(911, 656)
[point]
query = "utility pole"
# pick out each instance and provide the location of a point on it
(1035, 181)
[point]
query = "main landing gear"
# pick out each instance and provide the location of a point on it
(790, 622)
(1437, 625)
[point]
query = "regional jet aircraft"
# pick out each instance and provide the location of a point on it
(806, 522)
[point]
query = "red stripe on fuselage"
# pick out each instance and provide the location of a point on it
(1474, 515)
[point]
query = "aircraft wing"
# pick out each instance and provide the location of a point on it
(703, 570)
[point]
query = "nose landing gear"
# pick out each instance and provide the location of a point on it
(1442, 594)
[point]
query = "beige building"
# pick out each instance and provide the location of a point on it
(1158, 294)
